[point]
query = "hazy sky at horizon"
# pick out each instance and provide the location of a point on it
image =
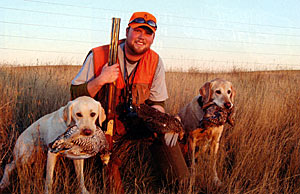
(204, 34)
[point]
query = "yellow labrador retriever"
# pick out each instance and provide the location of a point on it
(82, 112)
(219, 92)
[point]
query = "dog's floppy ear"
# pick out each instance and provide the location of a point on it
(67, 113)
(205, 92)
(101, 114)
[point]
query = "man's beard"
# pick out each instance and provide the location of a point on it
(133, 50)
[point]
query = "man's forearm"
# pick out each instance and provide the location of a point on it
(108, 74)
(90, 88)
(158, 107)
(94, 86)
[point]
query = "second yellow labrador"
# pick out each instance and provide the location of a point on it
(219, 92)
(82, 112)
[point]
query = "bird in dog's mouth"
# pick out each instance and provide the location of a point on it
(75, 145)
(215, 116)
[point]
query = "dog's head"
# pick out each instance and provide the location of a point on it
(84, 112)
(218, 91)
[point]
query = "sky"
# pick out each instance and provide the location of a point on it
(207, 35)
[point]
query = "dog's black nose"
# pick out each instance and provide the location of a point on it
(227, 105)
(87, 132)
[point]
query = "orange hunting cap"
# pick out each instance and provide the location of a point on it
(143, 19)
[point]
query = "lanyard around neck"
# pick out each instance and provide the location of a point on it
(129, 79)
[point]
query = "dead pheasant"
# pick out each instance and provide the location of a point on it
(216, 116)
(161, 123)
(76, 146)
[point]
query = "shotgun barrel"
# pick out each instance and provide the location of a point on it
(112, 59)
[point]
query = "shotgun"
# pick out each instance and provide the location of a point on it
(112, 59)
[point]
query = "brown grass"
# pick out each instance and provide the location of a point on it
(260, 154)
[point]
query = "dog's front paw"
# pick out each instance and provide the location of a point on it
(4, 182)
(217, 182)
(84, 191)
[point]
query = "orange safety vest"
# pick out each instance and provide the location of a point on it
(141, 84)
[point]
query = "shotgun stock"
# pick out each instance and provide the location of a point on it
(112, 59)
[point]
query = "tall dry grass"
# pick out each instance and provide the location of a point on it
(260, 154)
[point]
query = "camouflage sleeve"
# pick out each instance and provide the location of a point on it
(79, 90)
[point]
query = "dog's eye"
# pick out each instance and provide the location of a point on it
(93, 114)
(218, 91)
(228, 92)
(79, 114)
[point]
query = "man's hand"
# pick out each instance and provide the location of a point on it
(171, 138)
(108, 74)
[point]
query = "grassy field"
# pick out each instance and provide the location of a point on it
(260, 154)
